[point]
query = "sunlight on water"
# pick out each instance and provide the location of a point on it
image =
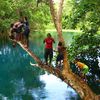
(99, 62)
(56, 89)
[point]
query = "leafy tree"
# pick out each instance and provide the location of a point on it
(5, 13)
(84, 15)
(85, 47)
(12, 10)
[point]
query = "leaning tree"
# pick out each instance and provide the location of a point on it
(66, 73)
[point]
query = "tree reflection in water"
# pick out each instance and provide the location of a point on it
(20, 81)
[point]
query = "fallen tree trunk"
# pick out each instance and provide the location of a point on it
(70, 78)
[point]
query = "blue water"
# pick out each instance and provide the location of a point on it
(21, 81)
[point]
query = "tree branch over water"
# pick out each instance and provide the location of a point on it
(70, 78)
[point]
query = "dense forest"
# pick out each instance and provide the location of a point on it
(80, 15)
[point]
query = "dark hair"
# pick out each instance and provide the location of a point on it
(12, 25)
(25, 18)
(16, 26)
(60, 44)
(76, 60)
(48, 35)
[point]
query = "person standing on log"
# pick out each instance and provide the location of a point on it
(60, 56)
(48, 53)
(26, 32)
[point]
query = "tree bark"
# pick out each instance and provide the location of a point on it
(56, 16)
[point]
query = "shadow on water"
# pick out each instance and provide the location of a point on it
(20, 81)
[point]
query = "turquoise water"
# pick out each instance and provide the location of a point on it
(21, 81)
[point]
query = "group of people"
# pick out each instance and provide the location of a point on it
(48, 55)
(19, 31)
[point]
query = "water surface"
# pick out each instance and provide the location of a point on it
(21, 81)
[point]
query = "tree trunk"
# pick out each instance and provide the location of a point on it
(75, 82)
(56, 16)
(70, 78)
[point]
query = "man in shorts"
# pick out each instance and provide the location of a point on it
(48, 53)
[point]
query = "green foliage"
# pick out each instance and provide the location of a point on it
(12, 10)
(83, 43)
(84, 15)
(86, 47)
(5, 13)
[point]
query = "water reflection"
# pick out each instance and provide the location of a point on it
(17, 76)
(20, 81)
(56, 89)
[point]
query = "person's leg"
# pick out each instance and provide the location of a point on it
(60, 63)
(82, 74)
(85, 71)
(21, 37)
(28, 37)
(50, 55)
(57, 60)
(18, 37)
(60, 60)
(46, 56)
(27, 40)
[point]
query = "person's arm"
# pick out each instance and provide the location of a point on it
(44, 41)
(53, 41)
